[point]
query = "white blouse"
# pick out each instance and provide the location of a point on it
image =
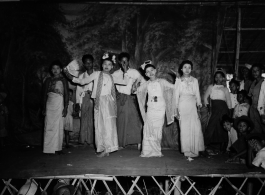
(218, 92)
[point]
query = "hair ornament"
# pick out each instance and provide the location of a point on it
(146, 63)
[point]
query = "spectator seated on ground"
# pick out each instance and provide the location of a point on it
(256, 155)
(227, 123)
(244, 126)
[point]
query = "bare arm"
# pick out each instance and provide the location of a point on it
(66, 96)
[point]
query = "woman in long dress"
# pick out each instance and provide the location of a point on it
(55, 106)
(220, 104)
(161, 101)
(105, 109)
(189, 104)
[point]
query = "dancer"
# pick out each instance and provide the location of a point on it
(220, 105)
(105, 109)
(161, 101)
(189, 104)
(55, 105)
(129, 124)
(84, 103)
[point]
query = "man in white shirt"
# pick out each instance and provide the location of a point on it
(85, 104)
(129, 124)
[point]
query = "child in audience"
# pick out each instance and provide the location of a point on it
(233, 86)
(228, 126)
(242, 107)
(258, 145)
(68, 120)
(244, 126)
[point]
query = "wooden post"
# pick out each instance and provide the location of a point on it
(218, 38)
(238, 34)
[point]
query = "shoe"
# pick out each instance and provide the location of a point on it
(102, 154)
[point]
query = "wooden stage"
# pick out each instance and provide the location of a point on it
(31, 162)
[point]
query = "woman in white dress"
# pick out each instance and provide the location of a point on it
(161, 101)
(189, 104)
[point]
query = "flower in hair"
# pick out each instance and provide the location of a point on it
(105, 56)
(146, 63)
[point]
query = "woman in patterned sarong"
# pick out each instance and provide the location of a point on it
(161, 101)
(55, 106)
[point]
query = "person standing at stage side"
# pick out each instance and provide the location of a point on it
(55, 105)
(219, 105)
(161, 102)
(84, 103)
(105, 106)
(189, 104)
(246, 74)
(254, 93)
(129, 124)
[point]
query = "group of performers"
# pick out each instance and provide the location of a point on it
(118, 120)
(123, 108)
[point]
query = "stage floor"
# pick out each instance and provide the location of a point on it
(31, 162)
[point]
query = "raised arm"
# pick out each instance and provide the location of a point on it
(83, 81)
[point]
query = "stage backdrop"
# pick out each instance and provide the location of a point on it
(33, 35)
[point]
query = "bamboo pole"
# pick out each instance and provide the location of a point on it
(242, 51)
(245, 29)
(238, 39)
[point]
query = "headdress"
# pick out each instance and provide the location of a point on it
(109, 56)
(147, 62)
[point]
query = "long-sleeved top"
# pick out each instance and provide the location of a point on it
(81, 90)
(261, 101)
(241, 110)
(188, 87)
(218, 92)
(106, 89)
(132, 76)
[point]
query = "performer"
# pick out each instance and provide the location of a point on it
(55, 106)
(105, 109)
(161, 101)
(219, 106)
(188, 96)
(85, 103)
(129, 124)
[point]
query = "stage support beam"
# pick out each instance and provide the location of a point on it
(238, 40)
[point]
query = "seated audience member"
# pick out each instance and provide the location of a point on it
(257, 144)
(244, 126)
(242, 107)
(227, 123)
